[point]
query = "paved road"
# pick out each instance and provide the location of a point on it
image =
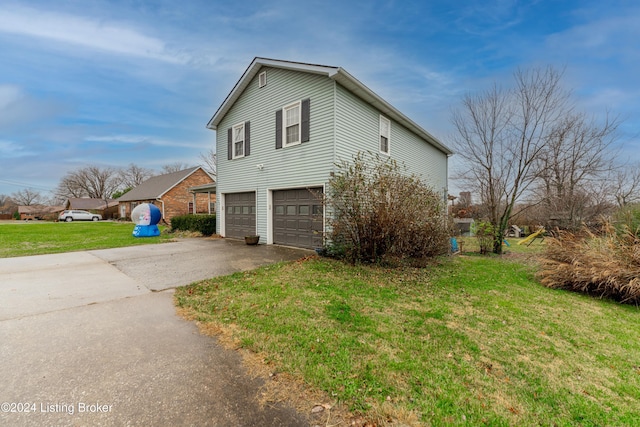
(91, 338)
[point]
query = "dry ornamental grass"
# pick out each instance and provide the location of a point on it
(606, 265)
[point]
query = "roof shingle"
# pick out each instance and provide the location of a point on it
(156, 186)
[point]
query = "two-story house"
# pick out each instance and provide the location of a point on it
(279, 135)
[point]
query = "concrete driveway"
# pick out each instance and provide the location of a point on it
(91, 338)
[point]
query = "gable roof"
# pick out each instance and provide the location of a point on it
(87, 203)
(156, 186)
(39, 209)
(336, 73)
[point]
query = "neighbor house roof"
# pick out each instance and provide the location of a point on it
(336, 73)
(38, 209)
(86, 203)
(204, 188)
(156, 186)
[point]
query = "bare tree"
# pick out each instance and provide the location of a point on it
(27, 197)
(626, 184)
(53, 199)
(209, 162)
(91, 181)
(500, 135)
(4, 199)
(134, 175)
(575, 160)
(175, 167)
(68, 187)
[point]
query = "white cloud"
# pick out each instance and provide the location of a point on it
(485, 18)
(9, 94)
(86, 32)
(604, 37)
(141, 139)
(18, 108)
(10, 149)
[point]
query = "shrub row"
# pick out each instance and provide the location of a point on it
(205, 224)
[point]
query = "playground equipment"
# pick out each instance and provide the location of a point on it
(529, 239)
(454, 245)
(514, 231)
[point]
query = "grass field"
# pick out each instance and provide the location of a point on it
(470, 245)
(35, 238)
(469, 341)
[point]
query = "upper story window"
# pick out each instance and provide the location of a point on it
(385, 133)
(291, 124)
(238, 141)
(262, 79)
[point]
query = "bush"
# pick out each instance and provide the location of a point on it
(205, 224)
(379, 214)
(485, 234)
(605, 265)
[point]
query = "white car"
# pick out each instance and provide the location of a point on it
(76, 215)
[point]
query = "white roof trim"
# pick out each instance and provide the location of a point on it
(336, 73)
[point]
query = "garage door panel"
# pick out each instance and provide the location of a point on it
(304, 224)
(298, 219)
(240, 219)
(291, 224)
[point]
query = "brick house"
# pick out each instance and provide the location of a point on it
(107, 208)
(172, 193)
(34, 212)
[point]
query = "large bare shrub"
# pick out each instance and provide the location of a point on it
(379, 213)
(606, 264)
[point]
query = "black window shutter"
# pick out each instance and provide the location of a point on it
(247, 139)
(230, 144)
(304, 121)
(278, 129)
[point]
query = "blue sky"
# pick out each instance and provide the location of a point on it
(110, 83)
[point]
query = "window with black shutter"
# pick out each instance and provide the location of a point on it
(293, 124)
(239, 141)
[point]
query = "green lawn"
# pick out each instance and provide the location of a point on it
(470, 244)
(470, 341)
(35, 238)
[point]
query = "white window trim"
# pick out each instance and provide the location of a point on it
(380, 134)
(262, 79)
(298, 105)
(233, 141)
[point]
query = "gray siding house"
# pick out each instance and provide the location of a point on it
(280, 133)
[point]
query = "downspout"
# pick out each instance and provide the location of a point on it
(335, 124)
(162, 202)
